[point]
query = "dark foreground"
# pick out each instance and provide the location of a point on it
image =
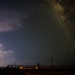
(37, 72)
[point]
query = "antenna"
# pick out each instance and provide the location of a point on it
(51, 61)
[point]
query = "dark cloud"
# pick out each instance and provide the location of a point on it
(12, 12)
(6, 56)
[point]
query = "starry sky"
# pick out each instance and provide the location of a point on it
(33, 31)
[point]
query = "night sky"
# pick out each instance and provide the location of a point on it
(33, 31)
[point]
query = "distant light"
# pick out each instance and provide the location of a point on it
(36, 68)
(21, 67)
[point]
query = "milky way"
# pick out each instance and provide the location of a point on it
(66, 10)
(64, 15)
